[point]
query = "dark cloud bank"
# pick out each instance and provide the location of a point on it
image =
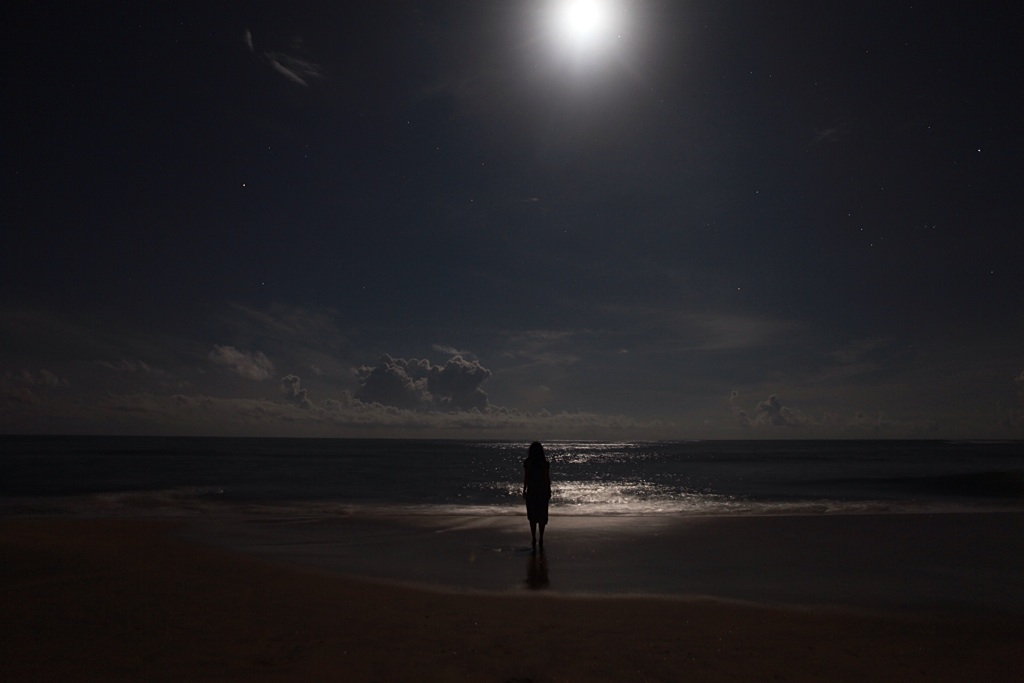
(416, 383)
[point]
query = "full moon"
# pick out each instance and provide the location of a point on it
(585, 22)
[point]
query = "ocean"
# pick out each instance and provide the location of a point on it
(182, 475)
(869, 524)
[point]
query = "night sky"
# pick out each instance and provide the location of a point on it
(703, 219)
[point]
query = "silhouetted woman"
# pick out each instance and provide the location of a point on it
(537, 491)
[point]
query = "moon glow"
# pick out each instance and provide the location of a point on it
(585, 23)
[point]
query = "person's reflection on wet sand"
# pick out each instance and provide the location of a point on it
(537, 572)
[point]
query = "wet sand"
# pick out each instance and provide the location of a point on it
(921, 562)
(134, 600)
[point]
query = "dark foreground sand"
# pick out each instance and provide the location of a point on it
(126, 600)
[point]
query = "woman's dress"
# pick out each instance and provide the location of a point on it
(538, 491)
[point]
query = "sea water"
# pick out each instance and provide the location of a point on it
(181, 476)
(908, 524)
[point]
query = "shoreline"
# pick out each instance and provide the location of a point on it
(949, 561)
(130, 599)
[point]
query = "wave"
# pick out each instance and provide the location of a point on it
(1002, 485)
(210, 503)
(1009, 485)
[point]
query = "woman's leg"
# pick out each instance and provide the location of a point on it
(542, 525)
(533, 532)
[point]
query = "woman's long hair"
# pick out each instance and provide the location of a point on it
(536, 453)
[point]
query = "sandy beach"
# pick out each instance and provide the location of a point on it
(132, 600)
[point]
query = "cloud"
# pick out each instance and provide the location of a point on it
(742, 418)
(733, 332)
(393, 382)
(16, 390)
(656, 328)
(416, 383)
(343, 416)
(294, 69)
(128, 366)
(26, 388)
(546, 347)
(859, 350)
(771, 411)
(451, 350)
(48, 379)
(395, 398)
(291, 386)
(457, 384)
(249, 364)
(44, 378)
(831, 134)
(772, 416)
